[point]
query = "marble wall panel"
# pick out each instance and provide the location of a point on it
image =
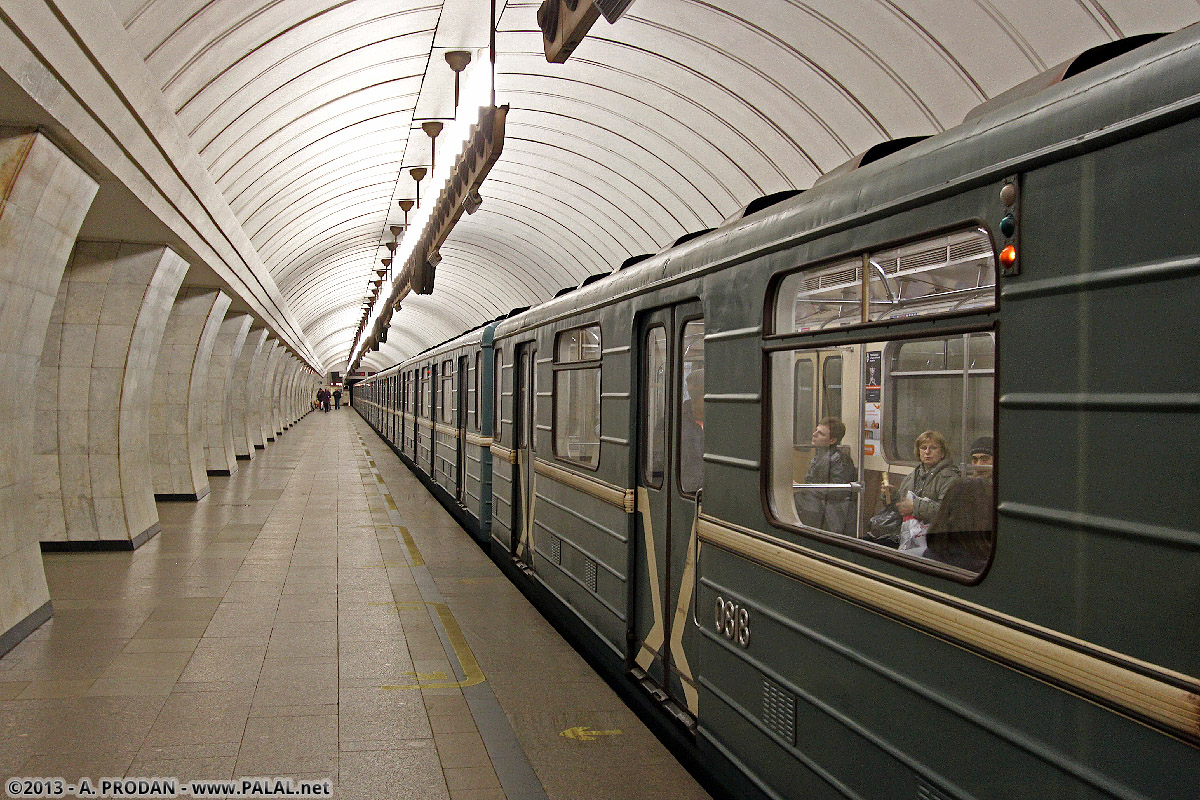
(277, 392)
(116, 300)
(293, 406)
(220, 456)
(44, 197)
(178, 401)
(244, 394)
(259, 391)
(270, 387)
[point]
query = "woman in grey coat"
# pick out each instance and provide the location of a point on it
(929, 481)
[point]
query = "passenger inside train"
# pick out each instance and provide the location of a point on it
(829, 509)
(961, 532)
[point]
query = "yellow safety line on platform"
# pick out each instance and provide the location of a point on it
(401, 606)
(458, 642)
(414, 555)
(462, 651)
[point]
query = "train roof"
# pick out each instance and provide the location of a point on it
(1080, 112)
(477, 335)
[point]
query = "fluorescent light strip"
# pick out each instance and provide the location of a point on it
(475, 94)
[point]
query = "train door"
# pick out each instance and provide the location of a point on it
(670, 476)
(817, 381)
(460, 431)
(392, 403)
(435, 399)
(403, 409)
(525, 395)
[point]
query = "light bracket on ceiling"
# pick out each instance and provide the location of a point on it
(565, 23)
(477, 132)
(471, 167)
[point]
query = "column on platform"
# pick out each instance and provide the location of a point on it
(118, 298)
(276, 400)
(306, 392)
(283, 398)
(180, 394)
(242, 393)
(268, 398)
(47, 475)
(44, 197)
(257, 394)
(220, 456)
(302, 400)
(289, 392)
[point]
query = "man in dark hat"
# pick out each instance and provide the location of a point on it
(983, 457)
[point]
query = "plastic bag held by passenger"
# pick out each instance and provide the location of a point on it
(912, 533)
(885, 526)
(912, 536)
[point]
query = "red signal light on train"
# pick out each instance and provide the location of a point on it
(1008, 256)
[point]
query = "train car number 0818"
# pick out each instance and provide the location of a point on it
(733, 620)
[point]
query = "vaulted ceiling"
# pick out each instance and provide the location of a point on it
(307, 116)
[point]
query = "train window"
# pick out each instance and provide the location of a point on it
(654, 404)
(907, 422)
(478, 389)
(805, 397)
(426, 392)
(829, 297)
(810, 402)
(936, 275)
(831, 386)
(497, 387)
(818, 482)
(577, 396)
(691, 408)
(447, 398)
(932, 385)
(956, 272)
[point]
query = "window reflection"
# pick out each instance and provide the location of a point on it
(577, 396)
(691, 409)
(654, 428)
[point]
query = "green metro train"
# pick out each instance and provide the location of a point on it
(883, 489)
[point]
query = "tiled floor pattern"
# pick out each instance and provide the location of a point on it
(257, 633)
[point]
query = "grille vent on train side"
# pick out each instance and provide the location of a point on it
(556, 549)
(779, 710)
(942, 254)
(924, 258)
(971, 247)
(818, 282)
(589, 575)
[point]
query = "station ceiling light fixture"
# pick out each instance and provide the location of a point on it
(476, 138)
(565, 23)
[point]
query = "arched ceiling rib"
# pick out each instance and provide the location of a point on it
(663, 123)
